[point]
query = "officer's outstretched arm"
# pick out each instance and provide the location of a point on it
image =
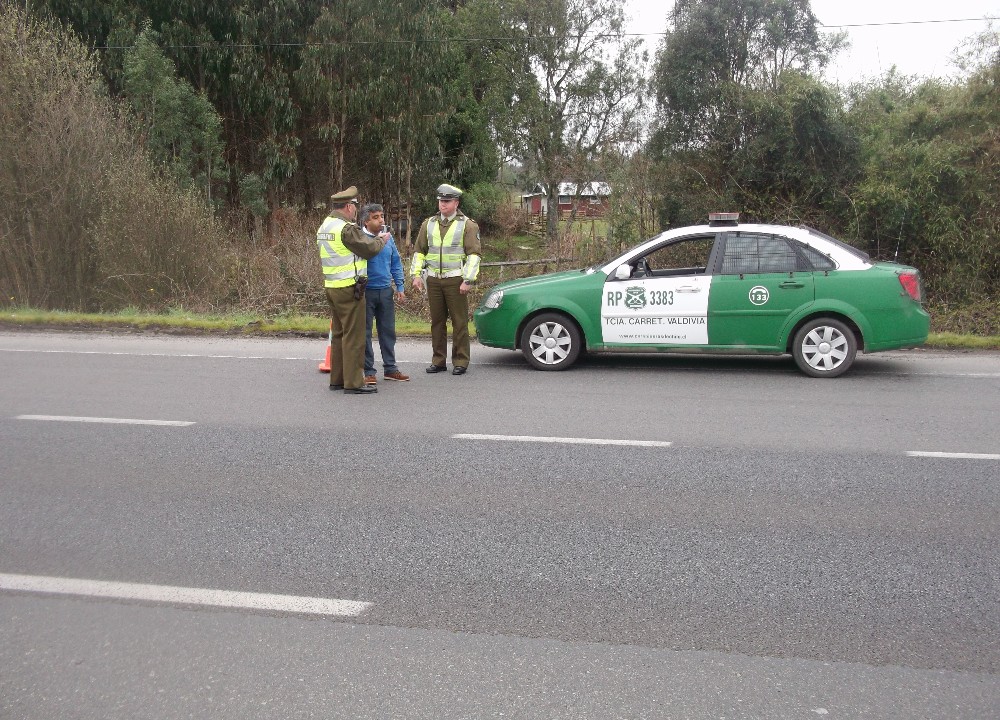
(360, 244)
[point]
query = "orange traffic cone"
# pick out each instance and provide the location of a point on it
(325, 365)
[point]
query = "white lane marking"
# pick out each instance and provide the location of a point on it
(568, 440)
(957, 455)
(114, 421)
(153, 354)
(182, 595)
(937, 374)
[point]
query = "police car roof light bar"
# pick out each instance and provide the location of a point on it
(723, 218)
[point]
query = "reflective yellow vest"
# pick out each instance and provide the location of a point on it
(445, 256)
(340, 265)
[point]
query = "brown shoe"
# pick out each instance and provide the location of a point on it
(397, 376)
(370, 380)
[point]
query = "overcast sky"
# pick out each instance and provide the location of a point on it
(916, 49)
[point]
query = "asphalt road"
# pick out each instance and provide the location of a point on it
(782, 547)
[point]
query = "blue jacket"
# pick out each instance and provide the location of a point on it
(385, 267)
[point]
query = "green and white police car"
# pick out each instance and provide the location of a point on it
(715, 288)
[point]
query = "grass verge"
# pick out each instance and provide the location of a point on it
(181, 321)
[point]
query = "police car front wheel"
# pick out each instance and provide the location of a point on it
(824, 348)
(551, 342)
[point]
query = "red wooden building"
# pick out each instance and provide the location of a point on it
(591, 200)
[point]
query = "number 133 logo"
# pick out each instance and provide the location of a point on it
(759, 295)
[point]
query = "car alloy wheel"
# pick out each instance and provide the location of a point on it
(551, 342)
(824, 348)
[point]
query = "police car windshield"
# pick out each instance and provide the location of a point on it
(839, 243)
(598, 265)
(616, 254)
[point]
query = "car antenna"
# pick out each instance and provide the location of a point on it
(902, 220)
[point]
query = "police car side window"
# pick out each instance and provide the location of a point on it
(750, 253)
(689, 256)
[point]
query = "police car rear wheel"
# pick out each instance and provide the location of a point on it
(551, 342)
(824, 348)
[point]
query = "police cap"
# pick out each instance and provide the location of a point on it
(345, 196)
(448, 192)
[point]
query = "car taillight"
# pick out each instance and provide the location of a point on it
(911, 283)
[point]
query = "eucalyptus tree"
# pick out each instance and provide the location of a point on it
(411, 84)
(742, 122)
(377, 83)
(323, 80)
(241, 55)
(180, 126)
(716, 52)
(93, 21)
(565, 83)
(311, 94)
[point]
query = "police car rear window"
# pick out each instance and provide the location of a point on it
(751, 253)
(839, 243)
(818, 260)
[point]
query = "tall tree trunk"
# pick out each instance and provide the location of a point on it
(552, 215)
(341, 142)
(337, 164)
(409, 211)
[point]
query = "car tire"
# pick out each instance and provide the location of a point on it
(551, 342)
(824, 348)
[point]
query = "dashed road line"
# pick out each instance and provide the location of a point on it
(566, 440)
(112, 421)
(153, 354)
(659, 443)
(181, 595)
(954, 455)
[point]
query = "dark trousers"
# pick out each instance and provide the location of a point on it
(347, 345)
(380, 309)
(446, 302)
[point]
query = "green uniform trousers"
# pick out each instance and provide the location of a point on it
(347, 344)
(446, 302)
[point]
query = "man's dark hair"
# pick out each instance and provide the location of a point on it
(368, 210)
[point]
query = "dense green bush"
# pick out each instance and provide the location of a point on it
(928, 192)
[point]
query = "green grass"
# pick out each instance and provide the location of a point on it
(296, 324)
(963, 342)
(515, 247)
(182, 320)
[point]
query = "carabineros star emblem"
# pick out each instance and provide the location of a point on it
(635, 297)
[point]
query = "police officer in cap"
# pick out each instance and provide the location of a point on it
(344, 251)
(448, 249)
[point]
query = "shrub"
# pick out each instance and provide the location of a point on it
(87, 222)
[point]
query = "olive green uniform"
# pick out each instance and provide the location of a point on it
(443, 296)
(347, 341)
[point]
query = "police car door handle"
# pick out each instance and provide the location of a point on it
(688, 289)
(791, 284)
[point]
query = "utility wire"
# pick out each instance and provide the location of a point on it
(907, 22)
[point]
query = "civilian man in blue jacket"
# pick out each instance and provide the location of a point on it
(385, 270)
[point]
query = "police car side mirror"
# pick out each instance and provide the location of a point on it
(623, 272)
